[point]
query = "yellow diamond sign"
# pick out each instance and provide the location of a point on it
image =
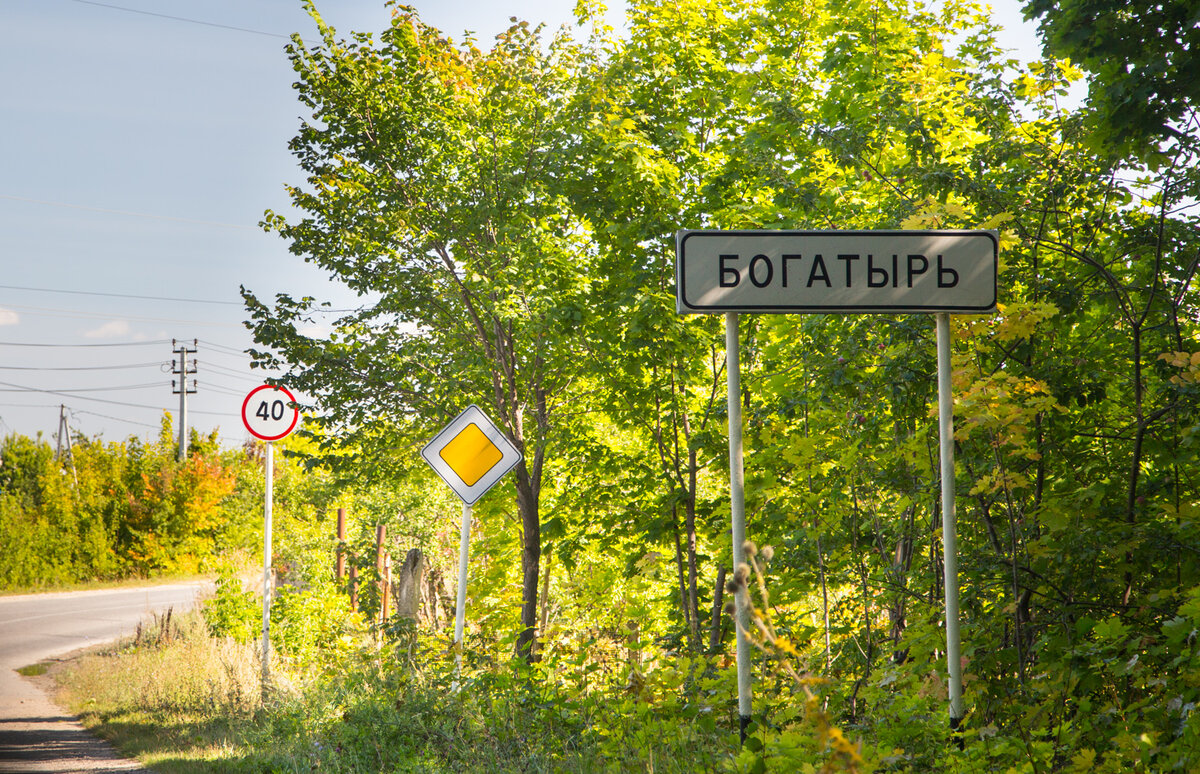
(471, 454)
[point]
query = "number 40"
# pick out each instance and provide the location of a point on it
(274, 412)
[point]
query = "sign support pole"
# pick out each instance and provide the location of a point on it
(949, 535)
(268, 486)
(737, 497)
(460, 607)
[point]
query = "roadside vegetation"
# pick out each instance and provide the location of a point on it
(120, 511)
(509, 216)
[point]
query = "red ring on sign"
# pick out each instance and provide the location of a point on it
(285, 433)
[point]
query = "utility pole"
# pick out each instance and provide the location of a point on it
(64, 432)
(182, 368)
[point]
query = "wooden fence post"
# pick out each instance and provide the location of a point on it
(387, 588)
(380, 535)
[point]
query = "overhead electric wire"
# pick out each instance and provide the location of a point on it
(121, 295)
(250, 377)
(223, 348)
(81, 368)
(155, 385)
(184, 19)
(154, 342)
(80, 397)
(71, 313)
(23, 388)
(75, 412)
(221, 389)
(127, 213)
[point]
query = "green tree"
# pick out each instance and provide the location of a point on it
(1070, 398)
(435, 186)
(1144, 61)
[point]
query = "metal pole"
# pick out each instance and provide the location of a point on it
(949, 535)
(460, 608)
(266, 618)
(737, 497)
(183, 437)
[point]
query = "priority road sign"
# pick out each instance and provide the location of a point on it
(471, 454)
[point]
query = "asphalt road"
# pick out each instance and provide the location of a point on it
(35, 735)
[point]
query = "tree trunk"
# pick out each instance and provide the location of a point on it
(714, 632)
(531, 554)
(1135, 465)
(683, 593)
(544, 615)
(407, 585)
(433, 600)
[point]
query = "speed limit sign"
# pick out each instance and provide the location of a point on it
(269, 413)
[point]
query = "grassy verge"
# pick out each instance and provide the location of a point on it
(182, 701)
(124, 583)
(173, 697)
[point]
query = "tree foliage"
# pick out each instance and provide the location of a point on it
(118, 509)
(510, 215)
(1143, 58)
(436, 177)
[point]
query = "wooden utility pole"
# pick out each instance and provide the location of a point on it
(341, 547)
(380, 535)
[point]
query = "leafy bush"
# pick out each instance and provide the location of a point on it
(232, 611)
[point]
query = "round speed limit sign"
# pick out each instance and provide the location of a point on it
(268, 413)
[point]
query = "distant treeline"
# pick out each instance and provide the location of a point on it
(109, 510)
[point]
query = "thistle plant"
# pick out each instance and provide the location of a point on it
(787, 746)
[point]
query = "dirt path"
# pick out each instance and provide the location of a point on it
(35, 734)
(38, 736)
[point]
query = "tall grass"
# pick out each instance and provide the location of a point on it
(185, 701)
(171, 694)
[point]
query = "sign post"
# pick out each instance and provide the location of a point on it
(471, 455)
(737, 501)
(949, 523)
(841, 272)
(269, 414)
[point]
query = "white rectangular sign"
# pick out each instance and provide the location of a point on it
(836, 271)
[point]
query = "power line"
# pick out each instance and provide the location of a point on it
(223, 390)
(232, 371)
(121, 295)
(60, 393)
(154, 342)
(81, 368)
(127, 213)
(72, 313)
(222, 347)
(24, 388)
(87, 389)
(183, 19)
(75, 412)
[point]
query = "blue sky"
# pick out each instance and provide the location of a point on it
(139, 154)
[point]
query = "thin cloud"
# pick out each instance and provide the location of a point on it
(110, 330)
(9, 317)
